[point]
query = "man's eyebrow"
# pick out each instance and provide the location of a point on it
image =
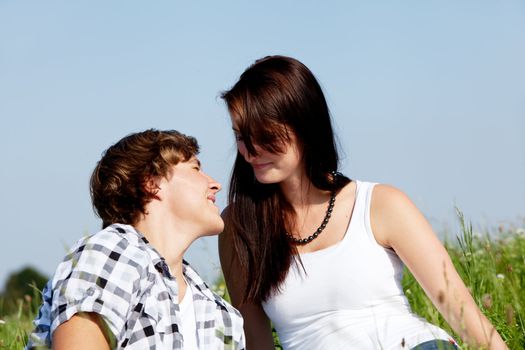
(195, 160)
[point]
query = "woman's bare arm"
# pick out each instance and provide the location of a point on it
(257, 326)
(398, 224)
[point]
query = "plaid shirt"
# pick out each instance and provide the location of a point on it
(117, 274)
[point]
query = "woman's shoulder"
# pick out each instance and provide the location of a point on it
(391, 210)
(225, 235)
(387, 195)
(348, 190)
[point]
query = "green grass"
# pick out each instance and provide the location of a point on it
(491, 264)
(15, 327)
(493, 268)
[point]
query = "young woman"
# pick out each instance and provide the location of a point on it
(318, 254)
(128, 286)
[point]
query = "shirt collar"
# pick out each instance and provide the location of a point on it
(192, 277)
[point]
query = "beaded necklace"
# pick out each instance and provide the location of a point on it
(320, 228)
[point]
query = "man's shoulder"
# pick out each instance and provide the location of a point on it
(116, 237)
(115, 247)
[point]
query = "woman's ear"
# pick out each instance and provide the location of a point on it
(151, 186)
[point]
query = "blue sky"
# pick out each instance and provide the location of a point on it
(428, 96)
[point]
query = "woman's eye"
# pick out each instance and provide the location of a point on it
(238, 137)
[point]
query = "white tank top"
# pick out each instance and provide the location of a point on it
(350, 296)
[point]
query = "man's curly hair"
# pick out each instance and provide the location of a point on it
(118, 191)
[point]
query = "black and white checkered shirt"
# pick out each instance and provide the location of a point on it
(117, 274)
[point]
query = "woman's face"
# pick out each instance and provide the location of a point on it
(271, 167)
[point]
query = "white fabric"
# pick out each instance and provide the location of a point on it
(188, 324)
(349, 295)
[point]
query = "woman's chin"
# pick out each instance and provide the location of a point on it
(266, 179)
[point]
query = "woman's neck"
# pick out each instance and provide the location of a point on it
(301, 193)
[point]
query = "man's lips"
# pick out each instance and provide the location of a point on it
(211, 198)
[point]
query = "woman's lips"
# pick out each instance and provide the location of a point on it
(259, 166)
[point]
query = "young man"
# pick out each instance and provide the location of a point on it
(128, 286)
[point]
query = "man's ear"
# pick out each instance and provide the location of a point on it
(151, 185)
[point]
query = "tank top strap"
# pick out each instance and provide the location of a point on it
(362, 209)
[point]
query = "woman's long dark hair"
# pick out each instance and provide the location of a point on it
(274, 97)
